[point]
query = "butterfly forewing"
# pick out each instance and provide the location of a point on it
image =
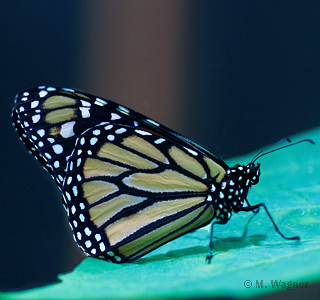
(50, 119)
(128, 191)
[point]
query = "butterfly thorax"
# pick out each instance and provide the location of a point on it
(231, 193)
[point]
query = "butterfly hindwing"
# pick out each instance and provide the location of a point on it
(128, 191)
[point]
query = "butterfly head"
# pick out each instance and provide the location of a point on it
(238, 180)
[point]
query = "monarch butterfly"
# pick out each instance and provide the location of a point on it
(129, 184)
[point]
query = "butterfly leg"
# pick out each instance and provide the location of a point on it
(209, 257)
(255, 209)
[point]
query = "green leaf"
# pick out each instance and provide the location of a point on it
(247, 249)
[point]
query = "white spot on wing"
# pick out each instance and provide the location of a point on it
(68, 196)
(120, 130)
(57, 149)
(85, 103)
(100, 102)
(60, 178)
(159, 141)
(68, 90)
(51, 89)
(85, 112)
(69, 180)
(142, 132)
(87, 231)
(35, 118)
(34, 104)
(96, 132)
(102, 247)
(110, 137)
(75, 191)
(43, 93)
(67, 129)
(41, 132)
(93, 141)
(115, 116)
(191, 151)
(108, 127)
(123, 109)
(78, 162)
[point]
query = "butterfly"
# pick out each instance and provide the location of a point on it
(129, 184)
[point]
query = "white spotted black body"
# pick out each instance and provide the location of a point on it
(231, 194)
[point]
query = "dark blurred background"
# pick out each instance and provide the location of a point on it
(231, 75)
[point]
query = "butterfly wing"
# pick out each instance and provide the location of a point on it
(49, 120)
(129, 191)
(129, 183)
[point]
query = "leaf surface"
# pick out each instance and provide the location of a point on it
(247, 249)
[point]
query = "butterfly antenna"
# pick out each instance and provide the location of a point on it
(268, 147)
(258, 155)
